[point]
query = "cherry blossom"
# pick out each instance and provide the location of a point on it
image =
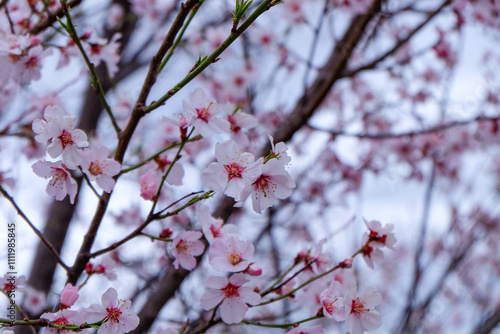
(312, 330)
(98, 167)
(34, 301)
(379, 237)
(214, 228)
(185, 247)
(69, 295)
(57, 127)
(8, 283)
(107, 268)
(332, 300)
(233, 295)
(62, 318)
(230, 254)
(101, 50)
(149, 182)
(233, 170)
(273, 183)
(239, 121)
(205, 114)
(360, 309)
(115, 313)
(61, 183)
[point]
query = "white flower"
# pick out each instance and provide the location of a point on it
(360, 310)
(61, 182)
(233, 171)
(98, 167)
(205, 114)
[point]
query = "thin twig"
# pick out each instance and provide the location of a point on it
(37, 232)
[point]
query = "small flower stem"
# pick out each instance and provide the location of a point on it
(288, 294)
(179, 37)
(287, 325)
(155, 238)
(174, 161)
(96, 84)
(37, 232)
(207, 61)
(88, 183)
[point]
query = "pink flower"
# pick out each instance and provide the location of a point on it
(107, 268)
(214, 228)
(360, 310)
(62, 318)
(34, 301)
(61, 182)
(313, 330)
(233, 171)
(379, 237)
(233, 295)
(98, 167)
(230, 254)
(238, 121)
(150, 182)
(105, 51)
(332, 300)
(185, 247)
(9, 283)
(58, 127)
(203, 109)
(274, 182)
(115, 313)
(69, 295)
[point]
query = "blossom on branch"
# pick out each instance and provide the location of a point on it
(230, 254)
(360, 309)
(233, 171)
(185, 247)
(233, 296)
(98, 167)
(205, 113)
(115, 313)
(61, 183)
(214, 228)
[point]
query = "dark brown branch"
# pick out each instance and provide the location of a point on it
(124, 139)
(397, 46)
(489, 324)
(41, 26)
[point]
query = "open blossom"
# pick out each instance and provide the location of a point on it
(233, 171)
(116, 313)
(61, 182)
(233, 295)
(214, 228)
(69, 295)
(230, 254)
(360, 309)
(98, 167)
(379, 237)
(57, 127)
(239, 121)
(108, 52)
(332, 300)
(206, 120)
(185, 247)
(274, 182)
(62, 318)
(34, 301)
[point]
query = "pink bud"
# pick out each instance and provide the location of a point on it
(69, 295)
(254, 270)
(347, 263)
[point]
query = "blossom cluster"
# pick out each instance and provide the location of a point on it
(113, 316)
(56, 130)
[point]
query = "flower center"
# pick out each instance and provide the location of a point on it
(95, 169)
(234, 170)
(66, 139)
(358, 307)
(113, 314)
(231, 291)
(204, 114)
(61, 321)
(262, 183)
(234, 258)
